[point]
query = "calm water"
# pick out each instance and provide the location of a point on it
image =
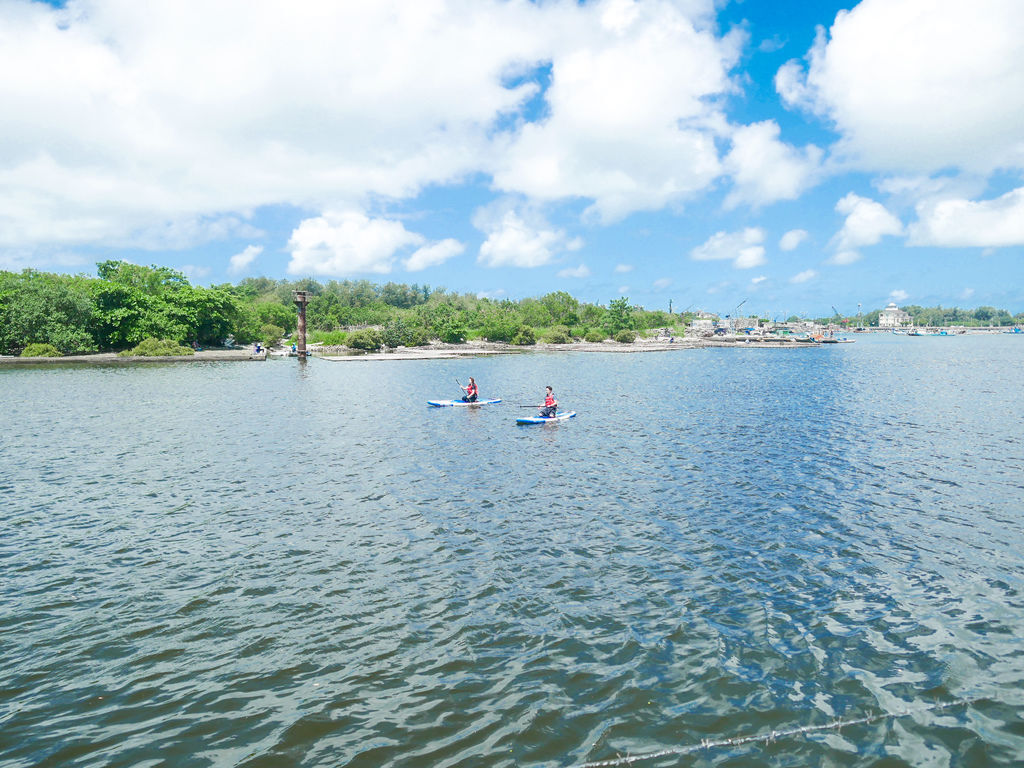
(243, 564)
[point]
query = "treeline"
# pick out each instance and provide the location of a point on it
(939, 317)
(127, 303)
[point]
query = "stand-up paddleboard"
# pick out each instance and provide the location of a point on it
(545, 420)
(446, 403)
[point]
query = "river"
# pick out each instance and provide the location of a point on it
(242, 564)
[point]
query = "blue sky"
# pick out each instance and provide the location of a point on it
(796, 156)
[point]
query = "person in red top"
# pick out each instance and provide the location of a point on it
(550, 404)
(471, 391)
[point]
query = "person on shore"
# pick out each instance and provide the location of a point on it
(550, 406)
(471, 391)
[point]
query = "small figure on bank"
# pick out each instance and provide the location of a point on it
(550, 404)
(471, 391)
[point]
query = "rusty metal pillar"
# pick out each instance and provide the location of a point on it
(301, 299)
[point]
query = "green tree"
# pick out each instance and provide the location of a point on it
(619, 316)
(42, 308)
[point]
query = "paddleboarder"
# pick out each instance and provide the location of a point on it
(550, 404)
(471, 391)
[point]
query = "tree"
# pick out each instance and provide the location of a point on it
(42, 308)
(619, 316)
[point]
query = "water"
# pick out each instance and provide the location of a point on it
(261, 565)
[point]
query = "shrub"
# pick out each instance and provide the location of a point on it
(368, 339)
(157, 348)
(452, 332)
(625, 336)
(595, 336)
(417, 338)
(557, 336)
(329, 338)
(271, 334)
(524, 337)
(40, 350)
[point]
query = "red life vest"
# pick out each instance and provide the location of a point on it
(549, 400)
(471, 389)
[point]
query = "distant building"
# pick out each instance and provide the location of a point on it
(892, 317)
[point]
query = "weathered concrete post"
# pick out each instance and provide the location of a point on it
(301, 299)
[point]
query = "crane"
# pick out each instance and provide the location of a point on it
(842, 320)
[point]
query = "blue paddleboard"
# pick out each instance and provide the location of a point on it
(446, 403)
(543, 420)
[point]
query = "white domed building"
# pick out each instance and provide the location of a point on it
(893, 317)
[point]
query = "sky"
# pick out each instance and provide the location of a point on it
(783, 156)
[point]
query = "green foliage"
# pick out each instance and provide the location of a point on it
(525, 337)
(625, 336)
(40, 350)
(368, 339)
(330, 338)
(619, 316)
(272, 312)
(396, 333)
(37, 307)
(558, 335)
(595, 336)
(157, 348)
(271, 334)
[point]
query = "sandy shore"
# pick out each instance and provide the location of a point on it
(113, 358)
(436, 351)
(478, 348)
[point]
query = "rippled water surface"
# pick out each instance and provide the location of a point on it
(243, 564)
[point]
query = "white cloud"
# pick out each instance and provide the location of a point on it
(899, 295)
(743, 248)
(867, 222)
(516, 237)
(792, 239)
(765, 169)
(758, 280)
(623, 290)
(632, 120)
(195, 272)
(959, 222)
(919, 85)
(497, 294)
(580, 271)
(967, 293)
(843, 258)
(433, 255)
(347, 243)
(662, 283)
(803, 277)
(623, 268)
(123, 120)
(240, 261)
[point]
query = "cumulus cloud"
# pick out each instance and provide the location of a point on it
(899, 295)
(623, 290)
(758, 280)
(803, 277)
(867, 222)
(518, 237)
(347, 243)
(764, 169)
(623, 268)
(122, 119)
(743, 248)
(631, 119)
(792, 239)
(662, 283)
(241, 261)
(433, 255)
(496, 294)
(580, 271)
(918, 85)
(959, 222)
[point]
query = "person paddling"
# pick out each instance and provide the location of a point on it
(550, 406)
(471, 391)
